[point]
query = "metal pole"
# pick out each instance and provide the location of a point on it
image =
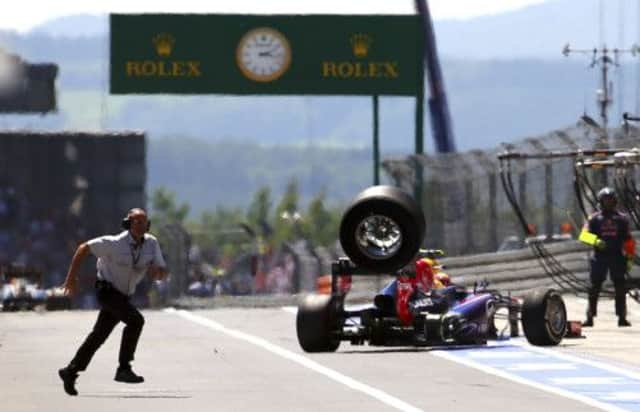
(548, 206)
(438, 106)
(376, 144)
(605, 99)
(419, 114)
(493, 210)
(419, 132)
(419, 149)
(470, 246)
(548, 186)
(522, 186)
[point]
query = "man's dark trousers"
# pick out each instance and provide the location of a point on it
(616, 266)
(115, 307)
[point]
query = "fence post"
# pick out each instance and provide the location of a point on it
(490, 167)
(468, 216)
(493, 210)
(176, 255)
(522, 186)
(548, 207)
(435, 215)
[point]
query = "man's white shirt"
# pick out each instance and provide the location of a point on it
(123, 263)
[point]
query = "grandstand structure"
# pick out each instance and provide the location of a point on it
(61, 188)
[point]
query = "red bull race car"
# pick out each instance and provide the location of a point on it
(381, 233)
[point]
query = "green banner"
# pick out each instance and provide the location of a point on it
(265, 54)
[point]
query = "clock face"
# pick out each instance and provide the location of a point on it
(263, 54)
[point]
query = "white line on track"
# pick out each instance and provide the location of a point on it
(301, 360)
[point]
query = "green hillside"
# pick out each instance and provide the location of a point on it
(206, 175)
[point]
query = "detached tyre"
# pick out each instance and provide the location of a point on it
(382, 229)
(544, 317)
(316, 323)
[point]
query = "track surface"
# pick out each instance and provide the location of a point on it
(249, 360)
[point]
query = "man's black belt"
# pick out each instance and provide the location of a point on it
(106, 286)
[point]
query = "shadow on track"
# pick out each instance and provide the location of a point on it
(129, 395)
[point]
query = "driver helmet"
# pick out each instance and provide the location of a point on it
(607, 192)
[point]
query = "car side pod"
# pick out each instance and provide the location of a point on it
(382, 229)
(544, 317)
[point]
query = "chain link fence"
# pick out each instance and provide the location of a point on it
(466, 207)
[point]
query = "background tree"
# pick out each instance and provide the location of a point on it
(321, 224)
(258, 212)
(221, 232)
(287, 223)
(164, 209)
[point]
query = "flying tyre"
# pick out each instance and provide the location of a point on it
(544, 317)
(317, 320)
(382, 229)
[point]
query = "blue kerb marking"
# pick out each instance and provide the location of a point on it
(609, 387)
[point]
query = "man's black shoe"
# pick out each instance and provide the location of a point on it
(127, 376)
(622, 322)
(69, 378)
(588, 323)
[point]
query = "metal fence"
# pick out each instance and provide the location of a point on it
(466, 207)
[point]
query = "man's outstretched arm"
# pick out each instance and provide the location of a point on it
(70, 283)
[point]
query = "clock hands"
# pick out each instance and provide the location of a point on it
(263, 54)
(269, 53)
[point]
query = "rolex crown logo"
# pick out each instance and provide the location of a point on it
(360, 43)
(164, 44)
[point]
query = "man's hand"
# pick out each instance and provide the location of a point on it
(70, 287)
(156, 272)
(629, 264)
(600, 244)
(70, 283)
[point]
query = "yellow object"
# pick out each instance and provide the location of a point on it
(441, 280)
(588, 238)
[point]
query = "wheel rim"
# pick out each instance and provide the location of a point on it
(378, 237)
(556, 316)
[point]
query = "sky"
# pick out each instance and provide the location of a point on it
(25, 14)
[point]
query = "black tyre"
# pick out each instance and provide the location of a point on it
(317, 321)
(382, 230)
(544, 317)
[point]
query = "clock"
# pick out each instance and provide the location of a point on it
(263, 54)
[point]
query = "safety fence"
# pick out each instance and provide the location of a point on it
(511, 272)
(466, 207)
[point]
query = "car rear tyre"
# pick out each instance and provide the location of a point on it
(544, 317)
(317, 321)
(382, 230)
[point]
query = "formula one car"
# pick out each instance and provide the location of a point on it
(381, 233)
(21, 294)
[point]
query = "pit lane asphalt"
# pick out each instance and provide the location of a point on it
(216, 366)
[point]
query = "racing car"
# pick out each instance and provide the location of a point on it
(22, 291)
(381, 232)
